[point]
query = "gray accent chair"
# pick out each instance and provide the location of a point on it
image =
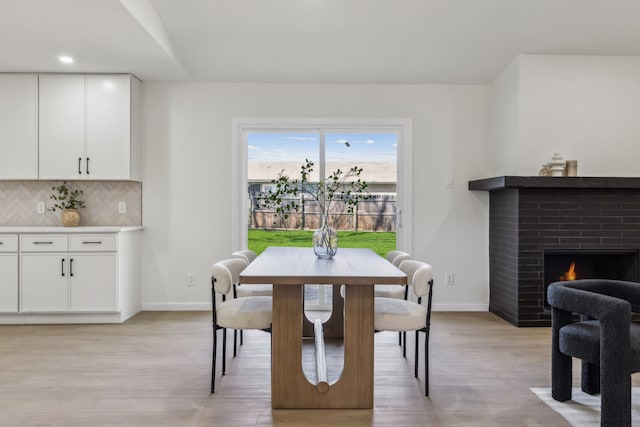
(604, 338)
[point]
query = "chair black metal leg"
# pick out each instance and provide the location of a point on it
(404, 344)
(416, 356)
(224, 350)
(213, 361)
(426, 363)
(241, 337)
(399, 338)
(235, 339)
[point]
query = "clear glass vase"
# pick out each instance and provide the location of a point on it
(325, 240)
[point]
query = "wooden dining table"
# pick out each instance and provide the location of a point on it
(289, 269)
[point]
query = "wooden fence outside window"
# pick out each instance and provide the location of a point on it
(378, 213)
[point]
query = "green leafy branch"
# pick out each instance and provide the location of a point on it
(66, 198)
(339, 185)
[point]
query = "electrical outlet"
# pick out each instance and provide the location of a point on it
(191, 279)
(448, 182)
(40, 207)
(122, 207)
(448, 279)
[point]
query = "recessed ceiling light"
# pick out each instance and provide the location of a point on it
(65, 59)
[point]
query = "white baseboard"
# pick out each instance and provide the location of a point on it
(460, 307)
(176, 306)
(200, 306)
(59, 318)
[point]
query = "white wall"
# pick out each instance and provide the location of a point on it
(503, 141)
(187, 168)
(584, 107)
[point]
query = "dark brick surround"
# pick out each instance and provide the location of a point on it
(529, 215)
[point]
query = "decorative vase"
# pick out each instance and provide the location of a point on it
(70, 217)
(325, 240)
(556, 165)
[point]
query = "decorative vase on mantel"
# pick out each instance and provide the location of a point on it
(325, 240)
(70, 217)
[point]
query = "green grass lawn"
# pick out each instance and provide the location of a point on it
(380, 242)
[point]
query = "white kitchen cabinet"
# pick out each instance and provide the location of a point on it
(92, 282)
(77, 275)
(8, 273)
(83, 280)
(108, 127)
(60, 282)
(44, 285)
(93, 272)
(89, 127)
(8, 283)
(44, 273)
(61, 118)
(18, 126)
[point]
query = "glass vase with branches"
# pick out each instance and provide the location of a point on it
(346, 186)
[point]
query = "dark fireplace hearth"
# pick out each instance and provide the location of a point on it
(536, 222)
(589, 264)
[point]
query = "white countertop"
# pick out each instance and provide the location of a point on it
(61, 229)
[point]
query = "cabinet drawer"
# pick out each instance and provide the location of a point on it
(92, 243)
(43, 243)
(8, 243)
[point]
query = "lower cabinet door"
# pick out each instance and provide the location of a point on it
(8, 283)
(93, 282)
(43, 282)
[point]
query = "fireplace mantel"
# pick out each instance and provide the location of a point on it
(530, 216)
(502, 182)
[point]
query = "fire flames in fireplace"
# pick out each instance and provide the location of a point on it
(569, 274)
(576, 264)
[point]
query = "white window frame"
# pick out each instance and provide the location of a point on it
(242, 125)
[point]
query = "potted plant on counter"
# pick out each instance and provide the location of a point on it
(68, 201)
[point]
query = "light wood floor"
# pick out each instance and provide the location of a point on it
(154, 370)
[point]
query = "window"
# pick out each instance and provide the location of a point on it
(243, 127)
(283, 151)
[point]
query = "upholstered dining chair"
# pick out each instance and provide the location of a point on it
(391, 291)
(240, 291)
(234, 313)
(253, 290)
(604, 338)
(393, 314)
(247, 254)
(395, 291)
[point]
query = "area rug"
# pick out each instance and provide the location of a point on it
(583, 410)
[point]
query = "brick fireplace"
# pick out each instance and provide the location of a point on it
(534, 220)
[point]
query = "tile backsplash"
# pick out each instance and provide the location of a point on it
(19, 199)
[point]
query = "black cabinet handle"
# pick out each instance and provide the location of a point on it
(43, 243)
(87, 166)
(99, 242)
(79, 165)
(71, 267)
(62, 267)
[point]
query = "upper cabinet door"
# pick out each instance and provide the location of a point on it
(62, 128)
(18, 126)
(108, 127)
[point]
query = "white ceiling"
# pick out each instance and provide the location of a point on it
(308, 41)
